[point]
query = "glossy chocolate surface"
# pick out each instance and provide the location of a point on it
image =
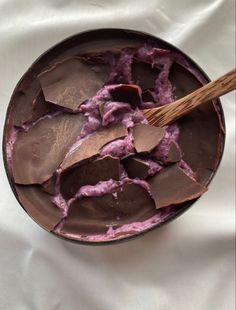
(70, 82)
(172, 186)
(174, 154)
(101, 169)
(98, 213)
(136, 167)
(38, 152)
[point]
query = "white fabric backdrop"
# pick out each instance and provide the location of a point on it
(186, 265)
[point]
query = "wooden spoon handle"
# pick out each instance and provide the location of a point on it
(167, 114)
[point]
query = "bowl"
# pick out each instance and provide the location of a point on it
(202, 132)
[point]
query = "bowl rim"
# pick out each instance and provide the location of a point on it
(216, 102)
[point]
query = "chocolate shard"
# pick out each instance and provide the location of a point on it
(172, 186)
(203, 175)
(72, 81)
(146, 137)
(29, 104)
(127, 93)
(174, 153)
(91, 146)
(134, 203)
(200, 132)
(101, 169)
(136, 167)
(50, 185)
(92, 215)
(39, 206)
(38, 152)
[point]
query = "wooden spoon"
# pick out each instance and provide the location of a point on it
(166, 114)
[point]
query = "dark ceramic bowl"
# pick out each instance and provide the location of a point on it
(202, 131)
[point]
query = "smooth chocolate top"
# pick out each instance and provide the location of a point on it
(39, 151)
(70, 82)
(136, 167)
(30, 104)
(174, 153)
(95, 214)
(146, 137)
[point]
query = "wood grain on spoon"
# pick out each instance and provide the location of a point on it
(166, 114)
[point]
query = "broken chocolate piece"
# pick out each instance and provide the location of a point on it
(90, 215)
(172, 186)
(146, 137)
(39, 151)
(127, 93)
(199, 137)
(50, 185)
(134, 202)
(72, 81)
(174, 153)
(95, 214)
(101, 169)
(136, 167)
(30, 104)
(39, 206)
(91, 146)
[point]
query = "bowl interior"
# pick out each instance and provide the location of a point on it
(201, 132)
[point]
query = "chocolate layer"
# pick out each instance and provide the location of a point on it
(29, 104)
(95, 214)
(136, 167)
(39, 206)
(39, 151)
(146, 137)
(200, 130)
(174, 153)
(135, 203)
(100, 169)
(172, 186)
(72, 81)
(50, 185)
(91, 146)
(199, 138)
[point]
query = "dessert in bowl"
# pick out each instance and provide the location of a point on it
(80, 155)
